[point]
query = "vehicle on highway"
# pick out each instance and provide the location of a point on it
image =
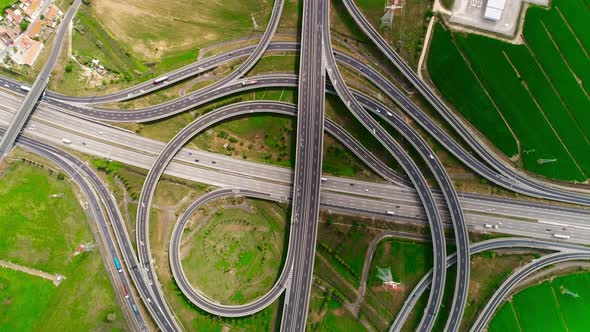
(160, 79)
(324, 179)
(134, 307)
(246, 82)
(390, 212)
(66, 141)
(25, 88)
(118, 264)
(124, 290)
(561, 236)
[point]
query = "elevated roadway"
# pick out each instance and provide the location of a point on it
(411, 169)
(494, 244)
(193, 294)
(145, 201)
(308, 168)
(38, 87)
(520, 182)
(521, 274)
(373, 198)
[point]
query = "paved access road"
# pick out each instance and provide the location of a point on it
(22, 115)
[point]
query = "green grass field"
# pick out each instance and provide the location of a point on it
(42, 232)
(548, 307)
(236, 257)
(327, 314)
(504, 321)
(535, 302)
(407, 31)
(539, 88)
(5, 4)
(17, 291)
(408, 261)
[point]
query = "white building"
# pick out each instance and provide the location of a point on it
(494, 9)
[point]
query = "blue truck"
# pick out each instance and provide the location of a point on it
(118, 264)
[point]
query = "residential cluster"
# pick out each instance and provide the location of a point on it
(24, 28)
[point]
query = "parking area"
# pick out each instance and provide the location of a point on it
(470, 13)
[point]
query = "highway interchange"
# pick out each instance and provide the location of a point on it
(414, 200)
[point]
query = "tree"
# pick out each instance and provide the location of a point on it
(69, 68)
(24, 25)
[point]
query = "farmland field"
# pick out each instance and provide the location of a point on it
(557, 305)
(540, 88)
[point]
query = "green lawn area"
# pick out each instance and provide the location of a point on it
(408, 28)
(24, 298)
(505, 320)
(5, 4)
(538, 88)
(327, 314)
(556, 305)
(408, 262)
(535, 303)
(237, 255)
(42, 232)
(141, 39)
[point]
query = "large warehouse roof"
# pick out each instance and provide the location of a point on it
(494, 9)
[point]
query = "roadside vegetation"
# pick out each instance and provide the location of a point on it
(233, 253)
(406, 33)
(138, 40)
(555, 305)
(538, 88)
(41, 231)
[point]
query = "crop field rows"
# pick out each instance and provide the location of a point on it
(558, 305)
(532, 94)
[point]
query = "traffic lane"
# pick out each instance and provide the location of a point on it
(376, 190)
(411, 169)
(494, 244)
(101, 222)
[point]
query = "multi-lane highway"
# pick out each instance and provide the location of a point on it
(151, 181)
(494, 244)
(71, 166)
(417, 178)
(308, 167)
(533, 187)
(367, 197)
(296, 277)
(38, 87)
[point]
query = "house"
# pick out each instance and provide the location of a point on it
(26, 51)
(52, 13)
(14, 17)
(35, 29)
(31, 8)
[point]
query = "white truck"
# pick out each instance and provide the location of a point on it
(66, 141)
(561, 236)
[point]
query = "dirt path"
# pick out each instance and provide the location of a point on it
(55, 278)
